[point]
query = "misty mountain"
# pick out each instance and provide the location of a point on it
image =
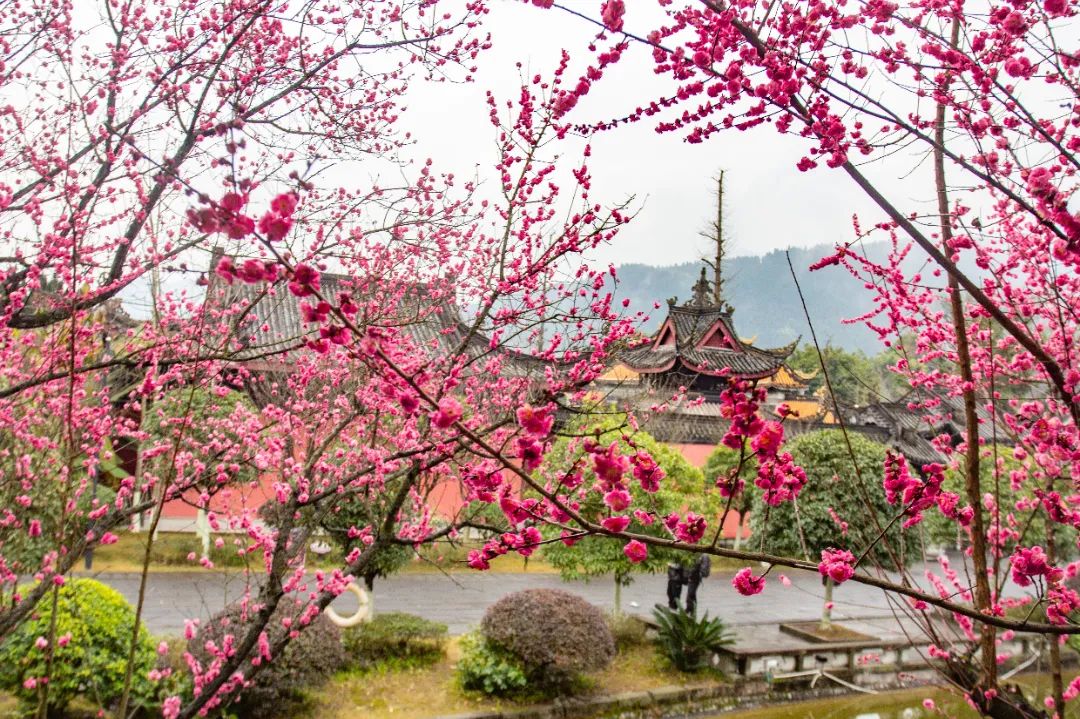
(763, 294)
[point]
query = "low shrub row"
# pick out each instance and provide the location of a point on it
(95, 624)
(94, 627)
(533, 643)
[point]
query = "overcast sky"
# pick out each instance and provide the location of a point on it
(770, 204)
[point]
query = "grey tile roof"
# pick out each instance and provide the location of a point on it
(751, 361)
(691, 325)
(271, 321)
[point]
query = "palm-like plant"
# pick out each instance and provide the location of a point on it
(689, 640)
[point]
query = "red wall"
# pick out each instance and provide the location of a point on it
(696, 454)
(445, 499)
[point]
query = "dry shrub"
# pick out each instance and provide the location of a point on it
(557, 635)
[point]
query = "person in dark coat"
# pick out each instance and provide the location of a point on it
(676, 578)
(697, 572)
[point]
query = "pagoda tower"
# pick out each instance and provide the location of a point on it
(698, 348)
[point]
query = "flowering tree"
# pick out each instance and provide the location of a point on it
(988, 93)
(148, 142)
(140, 135)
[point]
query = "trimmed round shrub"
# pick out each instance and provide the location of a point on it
(307, 661)
(489, 669)
(396, 637)
(556, 635)
(94, 628)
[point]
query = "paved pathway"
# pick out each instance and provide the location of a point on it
(459, 599)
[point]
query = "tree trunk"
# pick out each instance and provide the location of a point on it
(369, 586)
(1057, 683)
(972, 485)
(826, 607)
(202, 530)
(618, 596)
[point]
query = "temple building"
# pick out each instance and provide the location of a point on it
(698, 349)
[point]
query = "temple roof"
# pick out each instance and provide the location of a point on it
(699, 336)
(272, 326)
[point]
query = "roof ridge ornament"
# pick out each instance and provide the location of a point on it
(702, 290)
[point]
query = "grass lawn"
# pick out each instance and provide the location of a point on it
(170, 553)
(431, 691)
(422, 693)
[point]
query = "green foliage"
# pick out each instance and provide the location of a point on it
(831, 482)
(628, 631)
(681, 489)
(723, 460)
(855, 378)
(397, 637)
(363, 510)
(487, 668)
(994, 469)
(307, 661)
(689, 641)
(99, 624)
(556, 635)
(24, 553)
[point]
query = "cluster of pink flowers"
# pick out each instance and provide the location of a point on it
(636, 551)
(448, 412)
(746, 583)
(516, 512)
(1062, 603)
(1030, 562)
(896, 480)
(917, 495)
(739, 405)
(837, 564)
(780, 479)
(305, 281)
(276, 223)
(252, 271)
(768, 441)
(608, 463)
(689, 530)
(647, 472)
(615, 523)
(530, 452)
(1057, 510)
(536, 421)
(226, 216)
(524, 543)
(611, 12)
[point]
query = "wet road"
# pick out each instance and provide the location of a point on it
(459, 599)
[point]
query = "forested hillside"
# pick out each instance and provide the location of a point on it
(763, 294)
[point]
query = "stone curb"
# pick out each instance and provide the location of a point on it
(680, 701)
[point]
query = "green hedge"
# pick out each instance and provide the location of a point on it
(94, 627)
(395, 637)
